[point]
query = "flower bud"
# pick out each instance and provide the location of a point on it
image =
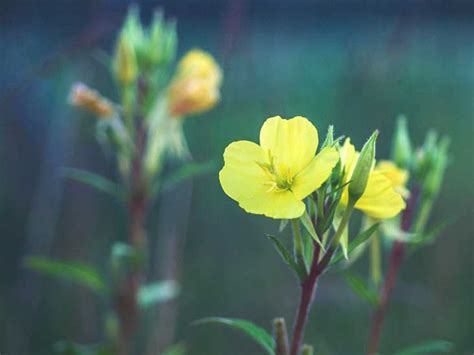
(401, 148)
(162, 42)
(364, 165)
(90, 100)
(125, 61)
(195, 87)
(434, 178)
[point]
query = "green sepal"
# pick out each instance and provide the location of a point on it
(258, 334)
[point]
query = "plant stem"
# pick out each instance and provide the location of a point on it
(126, 303)
(396, 258)
(308, 286)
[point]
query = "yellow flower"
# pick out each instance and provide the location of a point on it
(397, 176)
(195, 87)
(380, 200)
(274, 177)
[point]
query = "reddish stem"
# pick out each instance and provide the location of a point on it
(308, 287)
(396, 258)
(126, 302)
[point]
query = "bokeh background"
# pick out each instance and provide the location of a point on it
(354, 64)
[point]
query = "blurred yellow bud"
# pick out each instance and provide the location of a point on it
(195, 86)
(125, 61)
(90, 100)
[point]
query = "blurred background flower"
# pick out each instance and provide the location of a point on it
(352, 64)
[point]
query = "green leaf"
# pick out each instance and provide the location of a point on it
(65, 347)
(429, 347)
(283, 224)
(308, 225)
(80, 273)
(258, 334)
(361, 238)
(360, 288)
(177, 349)
(157, 292)
(188, 171)
(344, 241)
(286, 256)
(96, 181)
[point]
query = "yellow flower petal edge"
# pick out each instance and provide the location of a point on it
(273, 178)
(380, 199)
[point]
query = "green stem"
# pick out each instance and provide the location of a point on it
(423, 214)
(337, 236)
(128, 104)
(298, 244)
(375, 259)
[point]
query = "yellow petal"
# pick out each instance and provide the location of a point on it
(316, 173)
(274, 204)
(397, 176)
(380, 200)
(292, 143)
(242, 177)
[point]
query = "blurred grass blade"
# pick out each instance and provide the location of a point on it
(157, 292)
(360, 288)
(429, 347)
(81, 273)
(361, 238)
(188, 171)
(96, 181)
(287, 257)
(258, 334)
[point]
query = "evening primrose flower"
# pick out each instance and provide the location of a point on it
(274, 177)
(195, 87)
(380, 199)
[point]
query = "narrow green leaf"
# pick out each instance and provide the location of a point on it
(283, 224)
(80, 273)
(361, 238)
(308, 225)
(344, 241)
(157, 292)
(429, 347)
(308, 250)
(176, 349)
(96, 181)
(360, 288)
(258, 334)
(188, 171)
(286, 256)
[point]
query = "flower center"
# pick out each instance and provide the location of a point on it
(279, 176)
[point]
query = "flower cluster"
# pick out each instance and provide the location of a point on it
(275, 177)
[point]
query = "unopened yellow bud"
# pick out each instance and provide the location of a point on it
(125, 62)
(90, 100)
(195, 87)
